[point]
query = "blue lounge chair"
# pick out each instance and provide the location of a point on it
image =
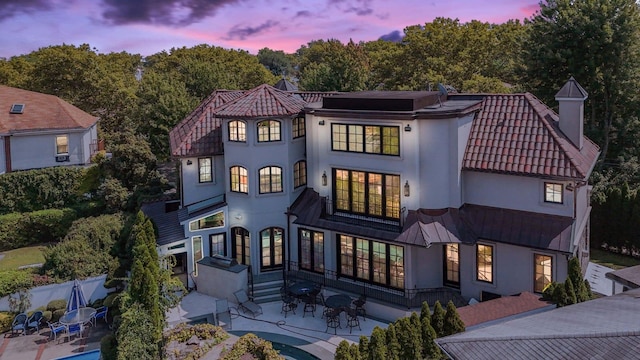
(34, 321)
(56, 328)
(101, 313)
(19, 324)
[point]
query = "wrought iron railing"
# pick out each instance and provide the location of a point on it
(329, 212)
(409, 298)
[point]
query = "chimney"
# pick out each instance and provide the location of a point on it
(571, 111)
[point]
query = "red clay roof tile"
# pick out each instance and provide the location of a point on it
(262, 101)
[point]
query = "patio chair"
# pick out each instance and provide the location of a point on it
(56, 328)
(34, 321)
(288, 302)
(333, 320)
(19, 324)
(222, 315)
(320, 300)
(101, 313)
(352, 319)
(359, 303)
(246, 304)
(310, 303)
(74, 329)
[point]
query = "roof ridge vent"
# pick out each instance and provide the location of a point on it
(17, 109)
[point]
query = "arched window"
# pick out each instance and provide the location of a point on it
(241, 245)
(237, 131)
(239, 179)
(300, 173)
(271, 253)
(270, 179)
(268, 130)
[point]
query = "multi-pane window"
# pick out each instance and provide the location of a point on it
(268, 130)
(300, 173)
(237, 131)
(298, 127)
(208, 222)
(311, 250)
(239, 179)
(371, 261)
(371, 139)
(197, 251)
(452, 264)
(204, 170)
(553, 193)
(543, 267)
(62, 145)
(270, 179)
(367, 193)
(484, 263)
(271, 248)
(241, 245)
(218, 244)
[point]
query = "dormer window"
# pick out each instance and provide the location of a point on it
(17, 109)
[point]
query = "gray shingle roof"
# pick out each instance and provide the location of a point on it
(604, 328)
(169, 228)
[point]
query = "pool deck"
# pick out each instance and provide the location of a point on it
(38, 346)
(306, 333)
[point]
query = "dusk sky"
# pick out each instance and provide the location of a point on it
(149, 26)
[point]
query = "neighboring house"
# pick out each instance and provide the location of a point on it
(603, 328)
(624, 279)
(404, 196)
(39, 130)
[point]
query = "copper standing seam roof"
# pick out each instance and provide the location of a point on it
(41, 112)
(518, 134)
(199, 133)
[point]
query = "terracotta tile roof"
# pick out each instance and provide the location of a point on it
(500, 308)
(425, 227)
(41, 112)
(262, 101)
(199, 133)
(518, 134)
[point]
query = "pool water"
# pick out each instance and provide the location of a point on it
(89, 355)
(293, 353)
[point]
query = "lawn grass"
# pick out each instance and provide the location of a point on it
(24, 256)
(611, 260)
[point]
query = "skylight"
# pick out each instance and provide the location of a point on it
(17, 109)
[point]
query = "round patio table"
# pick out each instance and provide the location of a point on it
(338, 301)
(78, 316)
(301, 288)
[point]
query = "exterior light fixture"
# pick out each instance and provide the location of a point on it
(321, 122)
(324, 178)
(407, 189)
(407, 128)
(189, 162)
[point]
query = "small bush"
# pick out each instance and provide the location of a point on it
(110, 300)
(108, 347)
(6, 318)
(59, 304)
(13, 280)
(56, 315)
(47, 315)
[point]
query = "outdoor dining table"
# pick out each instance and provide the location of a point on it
(340, 301)
(301, 288)
(78, 316)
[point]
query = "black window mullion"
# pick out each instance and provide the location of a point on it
(354, 244)
(370, 261)
(388, 264)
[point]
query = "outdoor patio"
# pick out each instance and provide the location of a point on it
(307, 333)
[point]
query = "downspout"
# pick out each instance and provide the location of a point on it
(287, 249)
(7, 153)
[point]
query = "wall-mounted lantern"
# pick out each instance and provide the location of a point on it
(324, 178)
(189, 162)
(321, 122)
(407, 189)
(407, 128)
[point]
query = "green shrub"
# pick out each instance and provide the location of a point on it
(6, 318)
(108, 347)
(57, 314)
(58, 304)
(47, 315)
(251, 344)
(109, 301)
(13, 280)
(23, 229)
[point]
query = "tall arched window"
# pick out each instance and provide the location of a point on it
(270, 179)
(268, 130)
(300, 173)
(239, 179)
(241, 245)
(271, 253)
(237, 131)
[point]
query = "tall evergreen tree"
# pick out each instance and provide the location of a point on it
(437, 319)
(425, 312)
(343, 351)
(452, 322)
(378, 344)
(430, 349)
(393, 346)
(363, 347)
(570, 291)
(409, 338)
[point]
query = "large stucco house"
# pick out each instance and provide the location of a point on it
(39, 130)
(404, 196)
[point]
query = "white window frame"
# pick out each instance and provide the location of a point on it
(66, 137)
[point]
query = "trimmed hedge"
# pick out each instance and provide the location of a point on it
(26, 191)
(23, 229)
(59, 304)
(13, 280)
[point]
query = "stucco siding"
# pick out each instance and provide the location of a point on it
(192, 189)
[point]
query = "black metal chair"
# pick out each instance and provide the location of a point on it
(288, 302)
(352, 319)
(320, 300)
(309, 301)
(359, 304)
(333, 320)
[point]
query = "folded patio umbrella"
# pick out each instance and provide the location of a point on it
(76, 298)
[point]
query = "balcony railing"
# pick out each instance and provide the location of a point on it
(409, 298)
(330, 213)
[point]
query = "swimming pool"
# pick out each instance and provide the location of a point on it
(290, 347)
(293, 353)
(89, 355)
